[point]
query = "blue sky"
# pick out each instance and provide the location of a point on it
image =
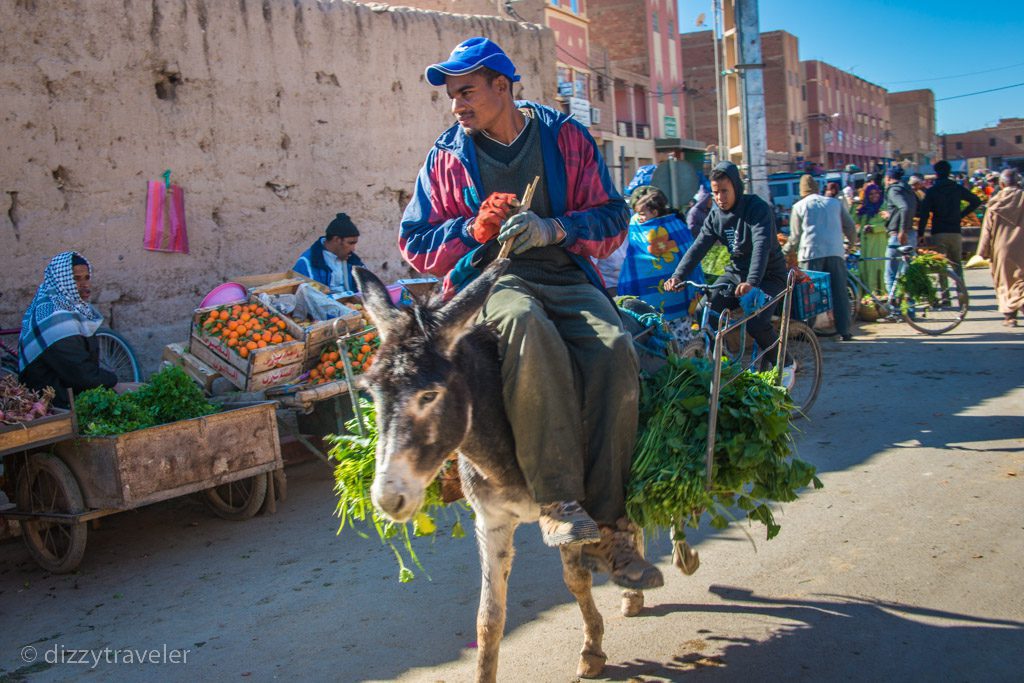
(911, 45)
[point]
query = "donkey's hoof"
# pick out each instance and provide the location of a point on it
(685, 557)
(632, 602)
(591, 664)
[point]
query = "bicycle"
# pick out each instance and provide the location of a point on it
(115, 353)
(932, 315)
(801, 372)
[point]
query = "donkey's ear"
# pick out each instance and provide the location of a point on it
(383, 314)
(459, 314)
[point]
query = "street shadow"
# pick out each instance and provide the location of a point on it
(835, 637)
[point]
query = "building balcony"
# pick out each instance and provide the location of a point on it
(629, 129)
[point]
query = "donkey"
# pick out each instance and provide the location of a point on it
(436, 382)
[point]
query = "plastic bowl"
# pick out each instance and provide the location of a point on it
(396, 293)
(227, 293)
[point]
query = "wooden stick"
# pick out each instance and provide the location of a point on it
(524, 205)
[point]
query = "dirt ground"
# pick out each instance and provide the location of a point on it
(906, 566)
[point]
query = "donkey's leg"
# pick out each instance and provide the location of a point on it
(579, 581)
(633, 599)
(494, 535)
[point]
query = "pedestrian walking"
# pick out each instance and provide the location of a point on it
(1002, 242)
(941, 210)
(817, 226)
(900, 210)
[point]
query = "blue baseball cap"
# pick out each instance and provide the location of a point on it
(470, 55)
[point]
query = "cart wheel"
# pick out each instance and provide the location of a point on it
(47, 485)
(237, 500)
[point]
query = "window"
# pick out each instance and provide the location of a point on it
(1017, 139)
(654, 21)
(803, 92)
(574, 5)
(959, 145)
(670, 34)
(601, 86)
(799, 147)
(991, 142)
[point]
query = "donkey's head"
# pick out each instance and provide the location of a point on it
(422, 399)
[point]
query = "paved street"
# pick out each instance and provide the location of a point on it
(906, 566)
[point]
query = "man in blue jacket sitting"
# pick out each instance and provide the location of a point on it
(331, 258)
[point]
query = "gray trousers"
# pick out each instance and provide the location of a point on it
(835, 266)
(571, 390)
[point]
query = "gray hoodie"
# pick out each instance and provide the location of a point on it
(748, 230)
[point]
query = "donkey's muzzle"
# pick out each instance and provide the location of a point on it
(396, 505)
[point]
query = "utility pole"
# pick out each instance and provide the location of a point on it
(719, 94)
(751, 68)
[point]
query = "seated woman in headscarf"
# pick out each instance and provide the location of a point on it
(57, 347)
(657, 240)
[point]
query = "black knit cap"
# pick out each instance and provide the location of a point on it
(342, 226)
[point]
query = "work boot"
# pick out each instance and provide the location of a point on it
(616, 553)
(567, 523)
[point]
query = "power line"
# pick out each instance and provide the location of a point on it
(946, 78)
(980, 92)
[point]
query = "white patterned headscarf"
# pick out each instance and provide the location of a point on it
(57, 311)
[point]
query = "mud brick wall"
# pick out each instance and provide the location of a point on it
(273, 115)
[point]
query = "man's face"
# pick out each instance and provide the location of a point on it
(476, 104)
(341, 246)
(81, 276)
(724, 193)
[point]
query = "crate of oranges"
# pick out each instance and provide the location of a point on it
(360, 349)
(252, 345)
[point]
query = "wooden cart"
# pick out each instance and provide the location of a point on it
(229, 456)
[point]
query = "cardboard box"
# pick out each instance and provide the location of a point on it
(201, 373)
(263, 368)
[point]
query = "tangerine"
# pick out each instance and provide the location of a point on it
(243, 352)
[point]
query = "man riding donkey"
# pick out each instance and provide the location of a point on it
(570, 379)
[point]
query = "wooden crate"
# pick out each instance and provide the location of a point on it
(263, 368)
(201, 373)
(38, 432)
(318, 334)
(149, 465)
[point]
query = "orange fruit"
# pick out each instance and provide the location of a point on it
(329, 371)
(251, 345)
(232, 324)
(232, 342)
(276, 339)
(261, 344)
(245, 317)
(333, 356)
(314, 373)
(243, 352)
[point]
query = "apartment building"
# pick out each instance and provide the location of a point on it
(912, 115)
(995, 147)
(848, 118)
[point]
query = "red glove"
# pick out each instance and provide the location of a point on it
(492, 214)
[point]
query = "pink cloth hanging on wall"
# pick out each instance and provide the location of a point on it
(176, 240)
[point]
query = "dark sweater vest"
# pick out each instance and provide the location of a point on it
(549, 265)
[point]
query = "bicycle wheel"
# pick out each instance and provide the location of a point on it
(944, 311)
(801, 373)
(854, 296)
(116, 355)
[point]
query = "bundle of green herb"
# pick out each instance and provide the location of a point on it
(353, 477)
(169, 396)
(753, 449)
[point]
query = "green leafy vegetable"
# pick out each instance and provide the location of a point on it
(353, 476)
(169, 396)
(753, 449)
(716, 260)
